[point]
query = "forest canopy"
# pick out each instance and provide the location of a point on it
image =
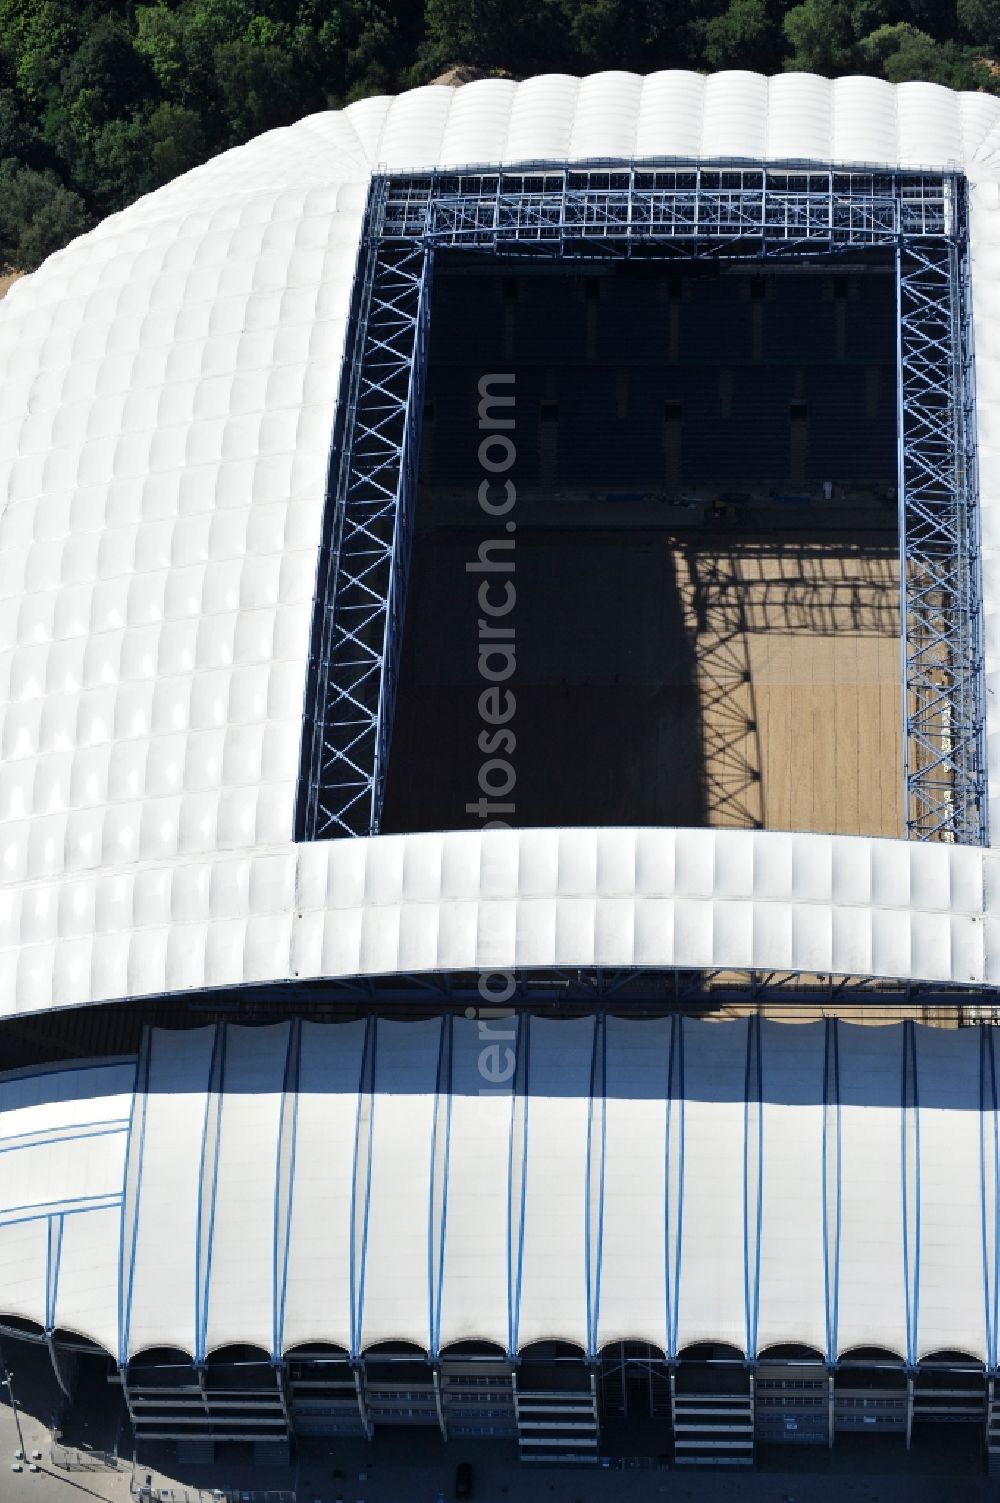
(103, 100)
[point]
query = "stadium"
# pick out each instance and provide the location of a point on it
(499, 763)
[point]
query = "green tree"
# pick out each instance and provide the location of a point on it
(821, 36)
(18, 133)
(258, 88)
(640, 35)
(902, 52)
(160, 38)
(101, 100)
(37, 215)
(979, 21)
(122, 162)
(108, 70)
(39, 37)
(365, 46)
(178, 141)
(744, 36)
(492, 34)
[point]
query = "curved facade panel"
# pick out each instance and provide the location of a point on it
(169, 389)
(464, 901)
(589, 1181)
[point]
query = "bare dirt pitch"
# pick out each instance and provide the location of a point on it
(740, 677)
(797, 672)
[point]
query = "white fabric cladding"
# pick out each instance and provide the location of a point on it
(512, 1181)
(524, 899)
(166, 405)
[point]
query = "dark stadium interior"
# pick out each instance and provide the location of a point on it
(705, 457)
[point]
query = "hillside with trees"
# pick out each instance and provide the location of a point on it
(103, 100)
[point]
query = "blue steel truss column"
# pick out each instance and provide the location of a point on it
(372, 492)
(939, 548)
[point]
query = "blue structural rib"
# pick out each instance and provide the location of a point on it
(831, 1186)
(284, 1183)
(989, 1181)
(909, 1139)
(673, 1228)
(53, 1257)
(594, 1199)
(131, 1193)
(362, 1184)
(753, 1183)
(437, 1218)
(517, 1180)
(208, 1176)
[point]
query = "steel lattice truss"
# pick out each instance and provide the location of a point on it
(670, 211)
(691, 212)
(939, 549)
(363, 594)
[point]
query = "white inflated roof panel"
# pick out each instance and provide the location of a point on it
(643, 1154)
(316, 1277)
(240, 1274)
(553, 1236)
(793, 1121)
(158, 1309)
(394, 1273)
(166, 409)
(474, 1299)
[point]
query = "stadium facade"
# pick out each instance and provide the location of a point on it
(425, 1132)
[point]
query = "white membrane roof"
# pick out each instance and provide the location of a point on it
(167, 392)
(587, 1181)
